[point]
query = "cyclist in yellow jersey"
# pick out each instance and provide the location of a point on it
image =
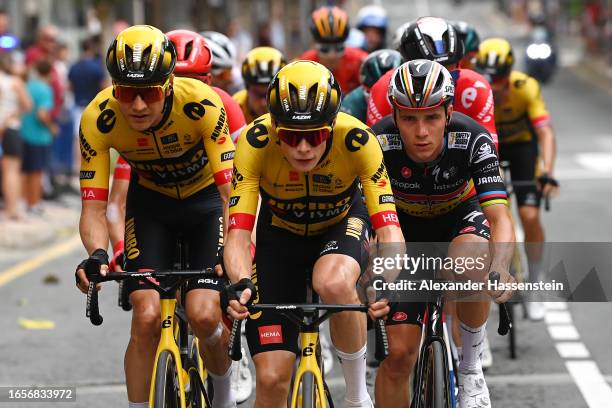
(174, 134)
(306, 160)
(525, 138)
(258, 68)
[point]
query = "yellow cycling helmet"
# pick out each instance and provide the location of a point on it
(261, 64)
(304, 94)
(140, 55)
(329, 25)
(495, 57)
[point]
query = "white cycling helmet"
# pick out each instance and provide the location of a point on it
(223, 50)
(421, 84)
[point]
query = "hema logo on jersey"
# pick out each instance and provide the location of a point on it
(272, 334)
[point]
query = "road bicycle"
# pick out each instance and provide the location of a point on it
(434, 382)
(309, 389)
(179, 374)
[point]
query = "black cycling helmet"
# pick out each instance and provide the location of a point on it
(376, 64)
(431, 38)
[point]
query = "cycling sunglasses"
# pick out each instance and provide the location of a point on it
(293, 137)
(149, 94)
(330, 48)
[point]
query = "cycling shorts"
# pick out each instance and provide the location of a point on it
(523, 159)
(283, 260)
(467, 218)
(154, 222)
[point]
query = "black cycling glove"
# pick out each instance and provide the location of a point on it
(99, 256)
(234, 291)
(544, 179)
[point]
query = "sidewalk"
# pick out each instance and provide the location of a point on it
(58, 220)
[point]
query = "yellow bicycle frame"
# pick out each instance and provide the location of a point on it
(167, 342)
(309, 364)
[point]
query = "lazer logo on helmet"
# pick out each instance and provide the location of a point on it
(301, 117)
(135, 75)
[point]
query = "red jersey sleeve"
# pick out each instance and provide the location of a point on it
(378, 104)
(474, 98)
(235, 117)
(310, 55)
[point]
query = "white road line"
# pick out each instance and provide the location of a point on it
(555, 305)
(591, 383)
(563, 332)
(597, 161)
(558, 317)
(572, 350)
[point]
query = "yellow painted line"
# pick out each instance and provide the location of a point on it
(50, 254)
(34, 324)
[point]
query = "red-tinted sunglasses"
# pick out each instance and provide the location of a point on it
(149, 94)
(313, 137)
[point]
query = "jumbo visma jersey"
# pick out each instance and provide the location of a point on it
(187, 151)
(467, 167)
(522, 111)
(309, 203)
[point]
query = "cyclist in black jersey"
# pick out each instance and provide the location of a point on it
(444, 172)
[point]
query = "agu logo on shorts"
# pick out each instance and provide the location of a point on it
(272, 334)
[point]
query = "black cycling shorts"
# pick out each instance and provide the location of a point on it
(283, 260)
(523, 159)
(467, 218)
(12, 145)
(153, 222)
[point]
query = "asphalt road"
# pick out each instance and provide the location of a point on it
(548, 372)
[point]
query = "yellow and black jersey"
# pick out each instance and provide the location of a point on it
(241, 97)
(309, 203)
(522, 111)
(187, 151)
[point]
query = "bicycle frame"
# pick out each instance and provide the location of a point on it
(309, 364)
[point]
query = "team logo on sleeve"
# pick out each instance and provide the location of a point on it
(389, 142)
(458, 140)
(484, 152)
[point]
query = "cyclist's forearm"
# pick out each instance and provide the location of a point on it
(93, 227)
(115, 213)
(502, 240)
(237, 254)
(548, 148)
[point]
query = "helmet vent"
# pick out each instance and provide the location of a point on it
(188, 49)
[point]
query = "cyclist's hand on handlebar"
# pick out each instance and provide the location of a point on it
(236, 297)
(378, 306)
(503, 278)
(100, 257)
(549, 186)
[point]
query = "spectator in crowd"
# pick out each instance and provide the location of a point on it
(86, 78)
(14, 101)
(37, 129)
(45, 47)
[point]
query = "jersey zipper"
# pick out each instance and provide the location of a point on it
(306, 224)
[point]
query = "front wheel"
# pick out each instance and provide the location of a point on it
(436, 390)
(166, 392)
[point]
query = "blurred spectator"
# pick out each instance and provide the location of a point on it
(8, 41)
(86, 78)
(45, 47)
(14, 101)
(37, 129)
(242, 40)
(592, 25)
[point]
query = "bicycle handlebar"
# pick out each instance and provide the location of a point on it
(92, 271)
(505, 323)
(382, 342)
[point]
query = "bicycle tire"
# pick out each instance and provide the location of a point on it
(435, 384)
(165, 394)
(308, 391)
(198, 397)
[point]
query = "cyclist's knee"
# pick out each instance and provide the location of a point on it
(401, 359)
(273, 372)
(272, 382)
(530, 216)
(336, 286)
(145, 319)
(204, 316)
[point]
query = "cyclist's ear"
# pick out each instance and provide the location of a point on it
(449, 113)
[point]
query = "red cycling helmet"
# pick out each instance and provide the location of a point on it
(194, 58)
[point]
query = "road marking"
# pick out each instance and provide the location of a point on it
(30, 265)
(572, 350)
(591, 383)
(558, 317)
(563, 332)
(555, 305)
(597, 161)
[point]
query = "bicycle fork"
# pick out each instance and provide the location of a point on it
(309, 365)
(167, 342)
